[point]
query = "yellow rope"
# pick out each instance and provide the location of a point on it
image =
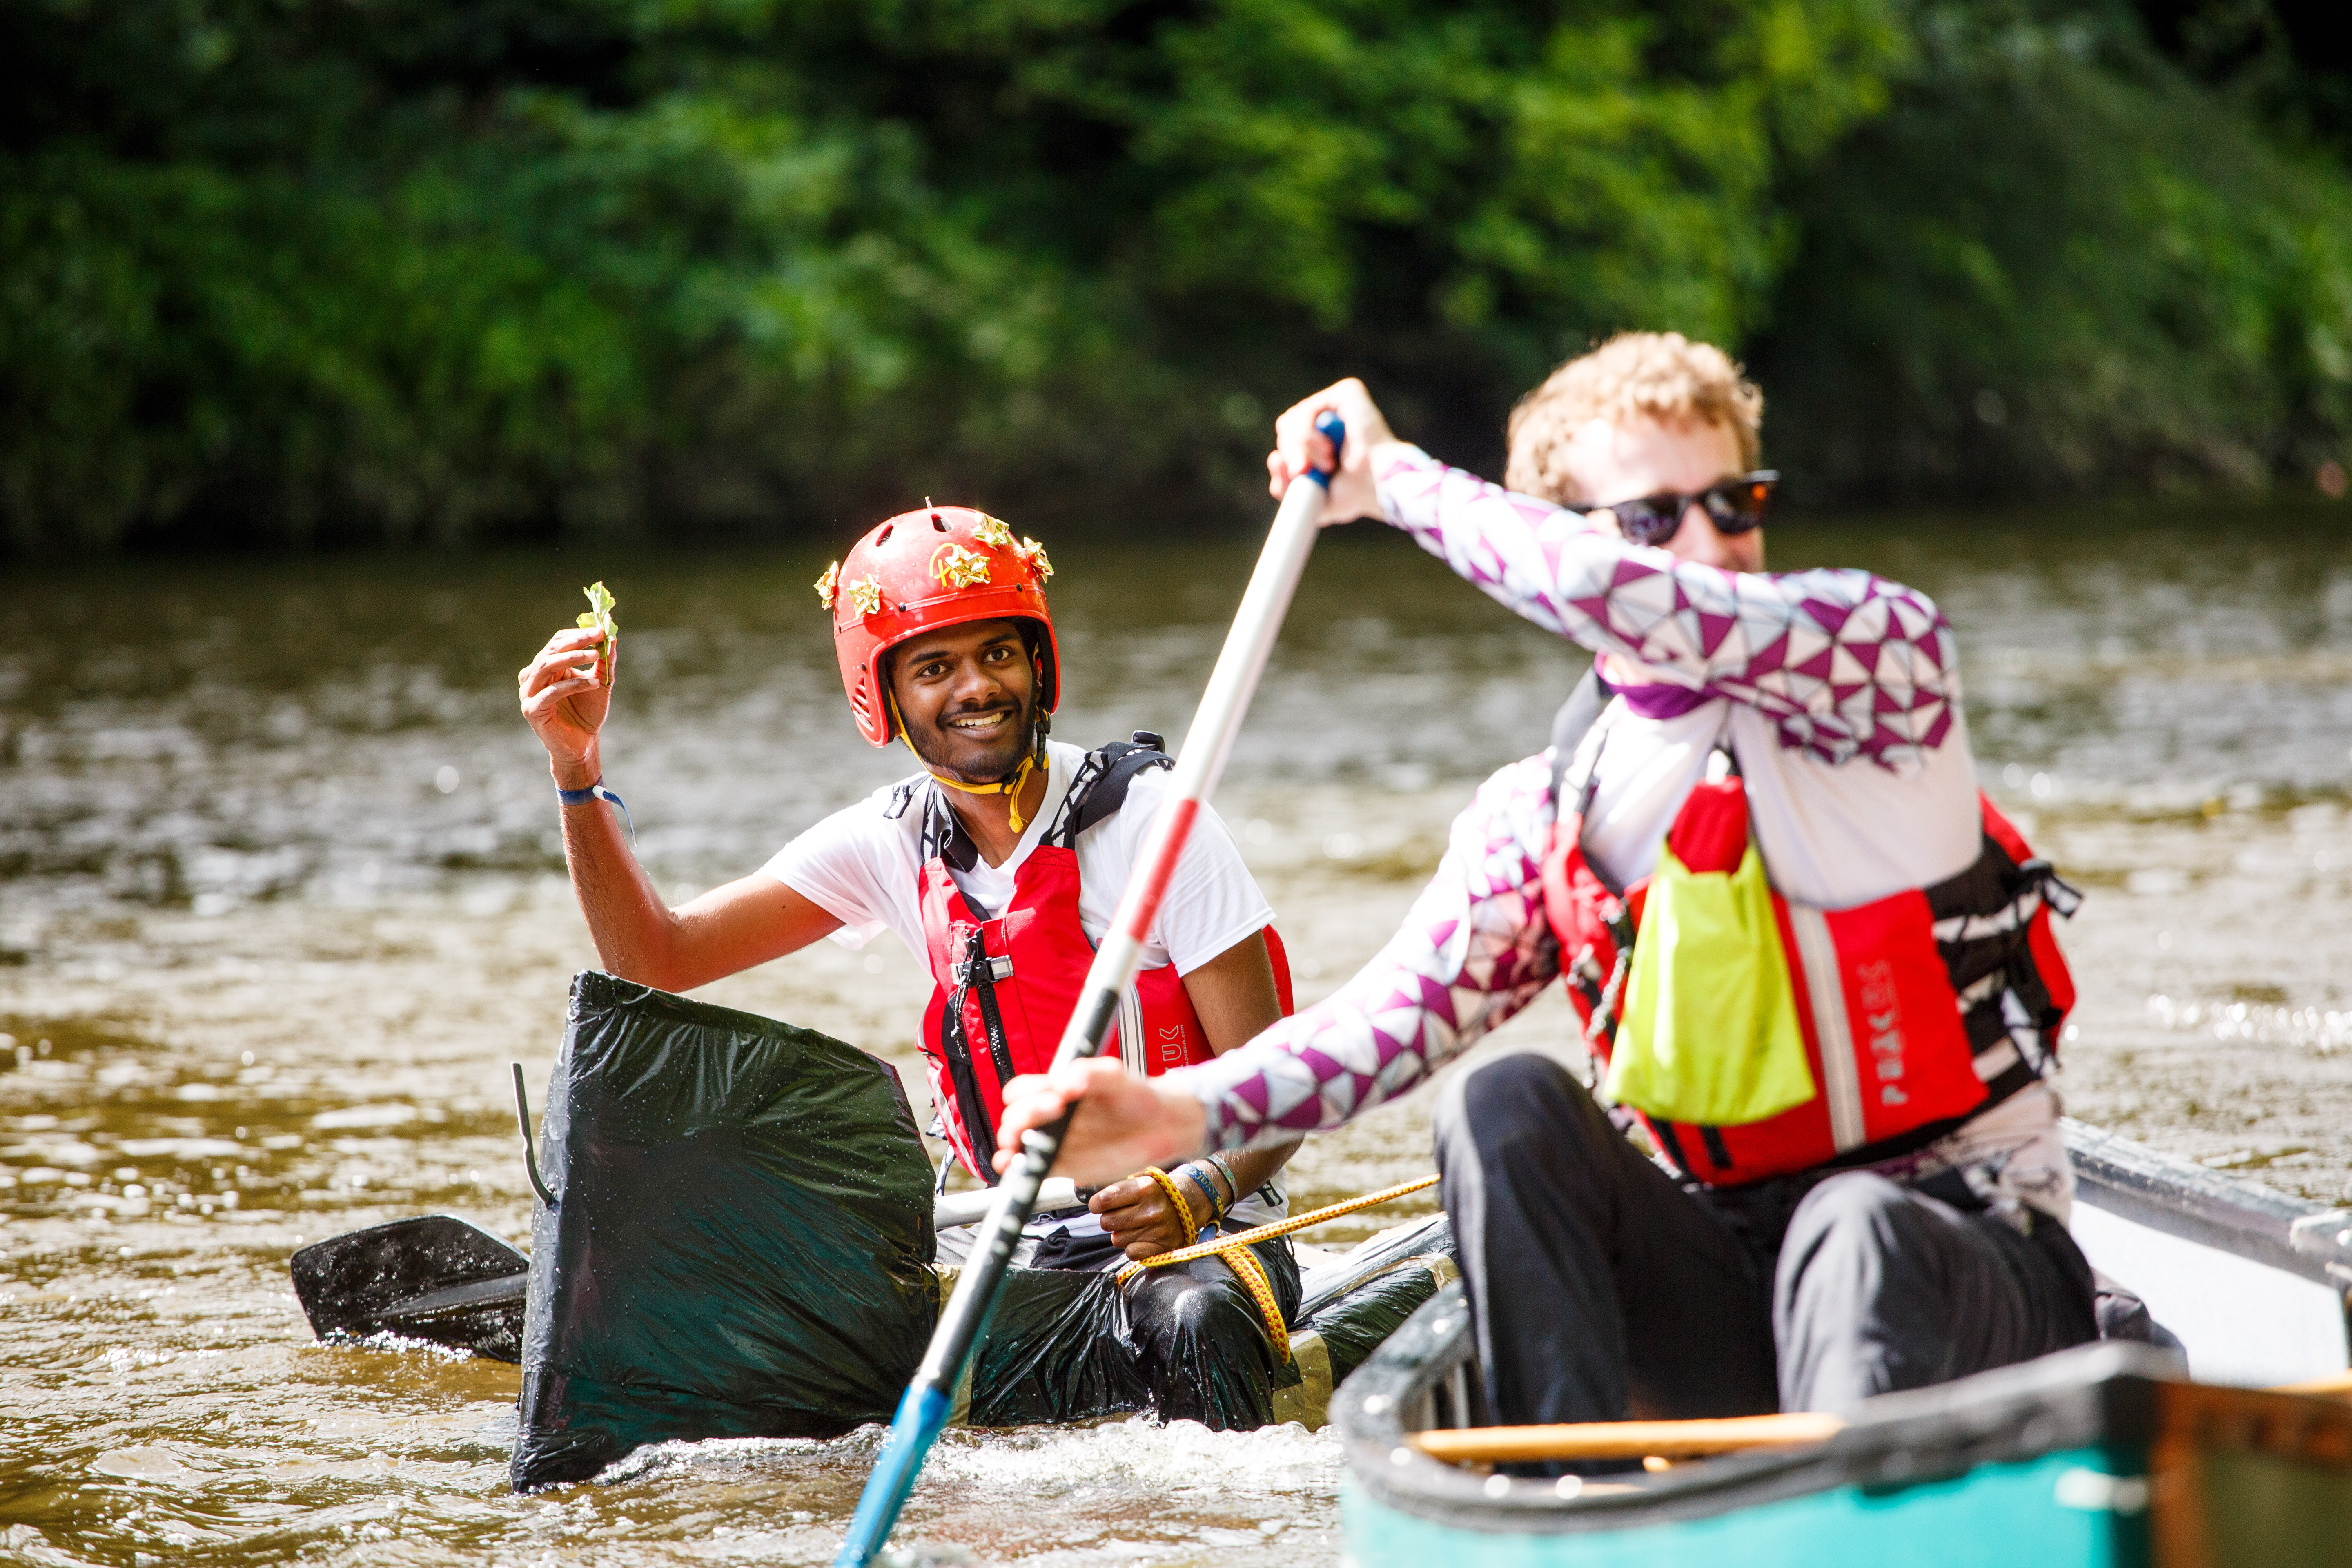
(1187, 1253)
(1235, 1249)
(1252, 1274)
(1176, 1197)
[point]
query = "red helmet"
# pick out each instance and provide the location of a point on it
(941, 566)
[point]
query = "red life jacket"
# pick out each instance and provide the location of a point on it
(1918, 1010)
(1002, 989)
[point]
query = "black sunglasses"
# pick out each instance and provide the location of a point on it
(1734, 506)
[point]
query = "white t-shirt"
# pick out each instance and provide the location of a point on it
(1832, 836)
(863, 867)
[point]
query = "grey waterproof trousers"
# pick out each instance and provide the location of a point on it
(1601, 1288)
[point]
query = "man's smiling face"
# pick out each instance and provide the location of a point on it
(966, 696)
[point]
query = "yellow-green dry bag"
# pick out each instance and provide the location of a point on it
(1709, 1032)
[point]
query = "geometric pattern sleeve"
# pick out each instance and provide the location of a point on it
(1848, 663)
(1474, 949)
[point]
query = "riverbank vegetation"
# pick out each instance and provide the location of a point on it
(318, 271)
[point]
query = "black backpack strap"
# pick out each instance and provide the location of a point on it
(944, 835)
(1575, 721)
(1102, 786)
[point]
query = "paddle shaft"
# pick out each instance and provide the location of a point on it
(931, 1397)
(966, 1208)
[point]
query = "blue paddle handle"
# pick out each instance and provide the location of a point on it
(1334, 430)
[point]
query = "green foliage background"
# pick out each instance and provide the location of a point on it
(439, 270)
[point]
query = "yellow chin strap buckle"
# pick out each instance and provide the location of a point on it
(1010, 788)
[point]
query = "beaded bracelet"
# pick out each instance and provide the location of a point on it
(1225, 1168)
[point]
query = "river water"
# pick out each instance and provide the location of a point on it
(280, 895)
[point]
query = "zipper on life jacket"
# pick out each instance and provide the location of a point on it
(978, 969)
(982, 970)
(1602, 995)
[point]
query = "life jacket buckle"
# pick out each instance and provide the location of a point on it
(1000, 968)
(2063, 896)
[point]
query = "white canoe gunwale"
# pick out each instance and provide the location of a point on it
(2102, 1399)
(2252, 1279)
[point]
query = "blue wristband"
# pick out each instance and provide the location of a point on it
(596, 792)
(1216, 1210)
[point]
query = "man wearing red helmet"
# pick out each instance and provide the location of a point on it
(1000, 864)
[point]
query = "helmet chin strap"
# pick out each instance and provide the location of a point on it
(1008, 787)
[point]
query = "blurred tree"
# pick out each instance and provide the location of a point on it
(424, 268)
(432, 269)
(2289, 61)
(2057, 264)
(298, 269)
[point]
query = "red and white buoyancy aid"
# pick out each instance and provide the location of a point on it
(1004, 988)
(1918, 1010)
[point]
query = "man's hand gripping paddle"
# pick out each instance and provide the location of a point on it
(924, 1410)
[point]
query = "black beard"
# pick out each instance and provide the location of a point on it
(948, 752)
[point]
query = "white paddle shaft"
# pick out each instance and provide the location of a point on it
(929, 1398)
(962, 1208)
(1201, 760)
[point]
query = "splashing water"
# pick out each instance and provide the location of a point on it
(283, 897)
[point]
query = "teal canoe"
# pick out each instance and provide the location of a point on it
(2106, 1454)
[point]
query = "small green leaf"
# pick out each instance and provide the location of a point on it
(600, 618)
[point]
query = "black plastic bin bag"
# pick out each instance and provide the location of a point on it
(742, 1245)
(1057, 1349)
(1361, 1300)
(740, 1242)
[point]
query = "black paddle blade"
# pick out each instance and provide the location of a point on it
(436, 1279)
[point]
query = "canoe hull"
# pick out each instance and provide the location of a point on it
(2103, 1457)
(2059, 1511)
(2054, 1511)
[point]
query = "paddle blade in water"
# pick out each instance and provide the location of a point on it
(436, 1279)
(922, 1416)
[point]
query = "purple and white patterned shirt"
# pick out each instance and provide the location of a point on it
(1846, 662)
(1838, 666)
